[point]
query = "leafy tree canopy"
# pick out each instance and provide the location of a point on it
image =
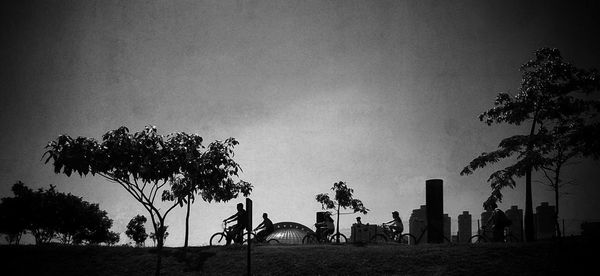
(343, 198)
(557, 98)
(49, 214)
(136, 230)
(143, 163)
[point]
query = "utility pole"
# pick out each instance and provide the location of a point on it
(248, 230)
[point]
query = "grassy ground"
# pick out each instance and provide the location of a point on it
(540, 258)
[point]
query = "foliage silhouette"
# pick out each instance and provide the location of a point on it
(552, 99)
(152, 235)
(136, 230)
(343, 199)
(144, 163)
(49, 214)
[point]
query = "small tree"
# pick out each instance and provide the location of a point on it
(39, 211)
(136, 230)
(343, 199)
(14, 221)
(113, 238)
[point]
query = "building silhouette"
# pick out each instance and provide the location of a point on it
(418, 222)
(485, 227)
(545, 224)
(447, 230)
(516, 217)
(464, 227)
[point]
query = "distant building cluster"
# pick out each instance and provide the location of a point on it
(543, 218)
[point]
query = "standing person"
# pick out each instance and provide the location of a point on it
(396, 224)
(358, 221)
(267, 224)
(238, 229)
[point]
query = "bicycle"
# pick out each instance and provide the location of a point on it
(313, 238)
(220, 238)
(255, 239)
(406, 238)
(389, 235)
(482, 235)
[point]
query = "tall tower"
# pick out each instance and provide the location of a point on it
(434, 199)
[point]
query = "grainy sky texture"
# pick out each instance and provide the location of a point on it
(381, 94)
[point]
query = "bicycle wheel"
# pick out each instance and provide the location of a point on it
(273, 241)
(407, 239)
(379, 238)
(334, 238)
(310, 239)
(218, 239)
(478, 239)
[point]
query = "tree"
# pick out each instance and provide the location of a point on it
(49, 214)
(343, 199)
(94, 226)
(145, 162)
(14, 222)
(136, 230)
(550, 89)
(574, 135)
(39, 210)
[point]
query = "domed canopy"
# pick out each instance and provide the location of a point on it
(289, 232)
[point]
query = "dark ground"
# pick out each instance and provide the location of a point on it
(568, 257)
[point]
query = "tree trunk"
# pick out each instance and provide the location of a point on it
(556, 182)
(187, 223)
(529, 232)
(337, 228)
(159, 245)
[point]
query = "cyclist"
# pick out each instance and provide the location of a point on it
(325, 227)
(395, 224)
(237, 230)
(498, 221)
(267, 225)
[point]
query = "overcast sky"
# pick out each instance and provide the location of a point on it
(381, 94)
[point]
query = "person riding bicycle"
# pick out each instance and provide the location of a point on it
(237, 230)
(325, 227)
(267, 225)
(395, 224)
(497, 221)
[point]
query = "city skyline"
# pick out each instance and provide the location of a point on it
(380, 94)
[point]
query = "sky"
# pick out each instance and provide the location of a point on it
(380, 94)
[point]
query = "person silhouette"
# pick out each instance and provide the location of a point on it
(238, 229)
(267, 225)
(497, 221)
(396, 223)
(325, 227)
